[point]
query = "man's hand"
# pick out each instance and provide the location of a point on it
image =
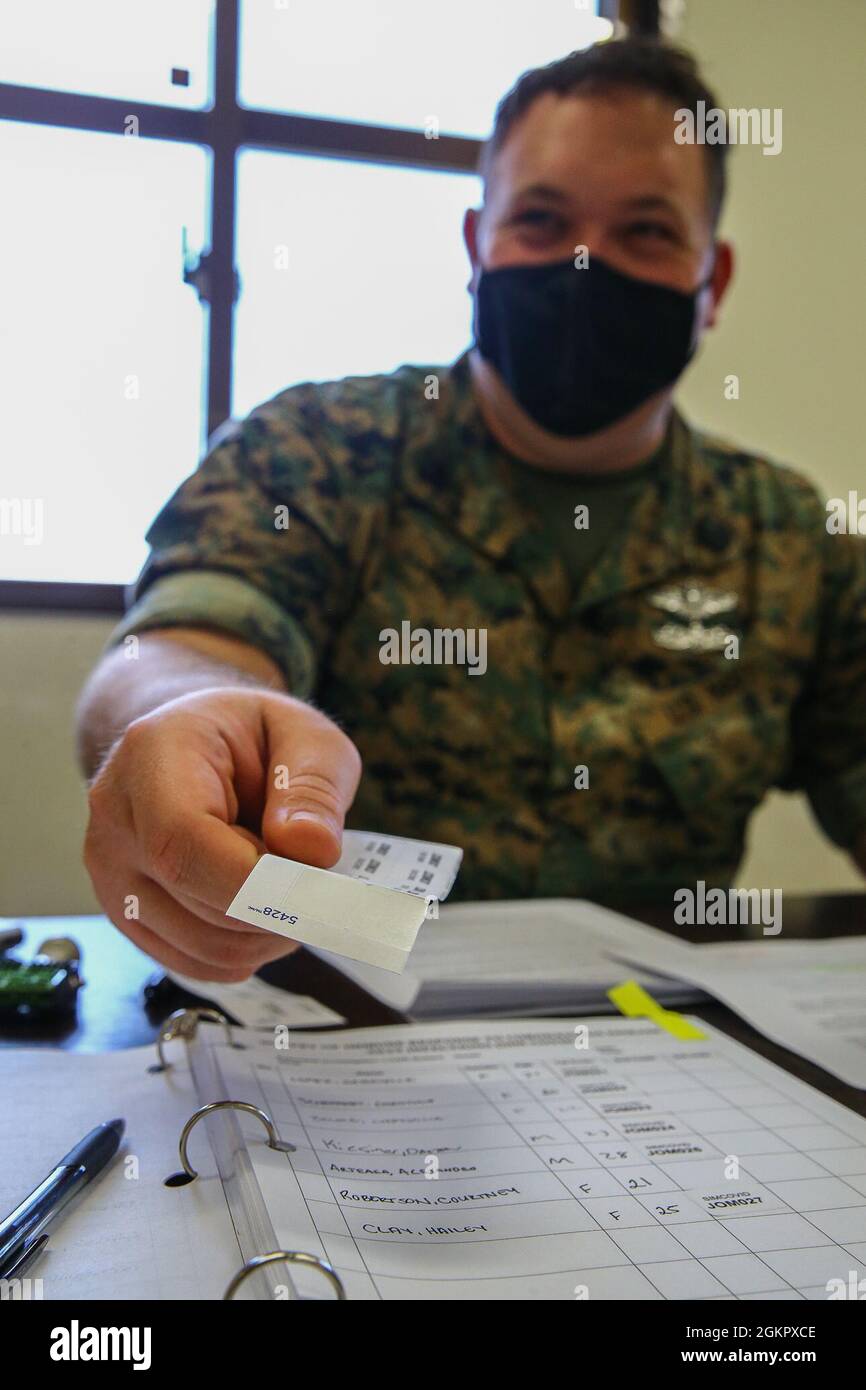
(186, 801)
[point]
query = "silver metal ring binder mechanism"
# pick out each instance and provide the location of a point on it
(299, 1257)
(274, 1140)
(184, 1024)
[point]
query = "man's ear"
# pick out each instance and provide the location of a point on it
(723, 270)
(471, 219)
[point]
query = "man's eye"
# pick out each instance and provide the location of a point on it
(651, 229)
(536, 217)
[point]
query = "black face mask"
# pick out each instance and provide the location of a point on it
(580, 349)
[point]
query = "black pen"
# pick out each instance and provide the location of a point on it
(20, 1234)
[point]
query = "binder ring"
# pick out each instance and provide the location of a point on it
(183, 1024)
(274, 1140)
(298, 1257)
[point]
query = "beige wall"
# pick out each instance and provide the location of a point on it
(792, 328)
(44, 661)
(792, 332)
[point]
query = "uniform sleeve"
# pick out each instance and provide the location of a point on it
(267, 540)
(829, 726)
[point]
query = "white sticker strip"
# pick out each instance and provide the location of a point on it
(411, 866)
(322, 908)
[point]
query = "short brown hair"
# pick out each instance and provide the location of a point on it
(645, 64)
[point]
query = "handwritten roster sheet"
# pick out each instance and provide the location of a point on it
(501, 1161)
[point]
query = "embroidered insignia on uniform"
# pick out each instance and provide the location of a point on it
(692, 604)
(693, 601)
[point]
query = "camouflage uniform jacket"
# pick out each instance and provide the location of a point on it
(400, 512)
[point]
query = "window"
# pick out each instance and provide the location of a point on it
(206, 201)
(400, 62)
(155, 52)
(104, 413)
(376, 277)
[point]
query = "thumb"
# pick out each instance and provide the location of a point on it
(313, 774)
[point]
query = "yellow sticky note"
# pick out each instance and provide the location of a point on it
(633, 1000)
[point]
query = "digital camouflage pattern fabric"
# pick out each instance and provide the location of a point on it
(401, 510)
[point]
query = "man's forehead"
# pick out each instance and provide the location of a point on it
(621, 142)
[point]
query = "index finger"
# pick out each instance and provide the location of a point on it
(201, 856)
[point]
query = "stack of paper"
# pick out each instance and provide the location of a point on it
(501, 959)
(257, 1004)
(809, 996)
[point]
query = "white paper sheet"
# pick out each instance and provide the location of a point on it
(127, 1236)
(500, 1161)
(515, 956)
(809, 996)
(257, 1004)
(368, 908)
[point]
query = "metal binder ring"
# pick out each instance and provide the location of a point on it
(183, 1024)
(297, 1257)
(274, 1140)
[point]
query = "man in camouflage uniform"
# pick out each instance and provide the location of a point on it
(663, 627)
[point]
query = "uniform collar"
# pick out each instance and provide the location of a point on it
(682, 523)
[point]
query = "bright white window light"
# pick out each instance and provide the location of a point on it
(346, 269)
(100, 345)
(110, 48)
(399, 62)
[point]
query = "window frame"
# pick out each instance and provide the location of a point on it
(224, 129)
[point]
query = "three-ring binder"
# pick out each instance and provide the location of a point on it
(261, 1251)
(183, 1023)
(274, 1140)
(285, 1257)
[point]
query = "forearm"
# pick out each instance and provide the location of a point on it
(168, 663)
